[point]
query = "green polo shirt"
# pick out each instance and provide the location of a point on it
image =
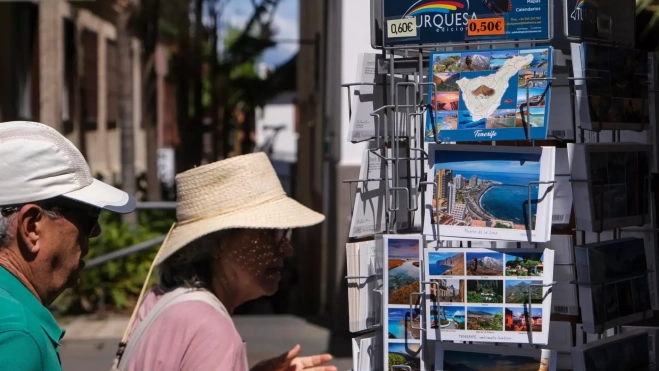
(29, 335)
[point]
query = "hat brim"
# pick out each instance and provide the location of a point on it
(284, 213)
(104, 196)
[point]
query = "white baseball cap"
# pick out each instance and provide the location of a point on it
(38, 163)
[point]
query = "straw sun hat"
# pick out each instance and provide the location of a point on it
(240, 192)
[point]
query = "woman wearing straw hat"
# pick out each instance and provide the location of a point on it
(227, 247)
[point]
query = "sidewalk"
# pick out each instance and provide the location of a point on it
(90, 343)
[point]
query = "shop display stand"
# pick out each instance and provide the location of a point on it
(408, 133)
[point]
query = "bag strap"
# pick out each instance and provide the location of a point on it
(176, 296)
(124, 339)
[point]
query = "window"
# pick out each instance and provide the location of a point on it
(112, 86)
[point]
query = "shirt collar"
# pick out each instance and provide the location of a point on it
(24, 296)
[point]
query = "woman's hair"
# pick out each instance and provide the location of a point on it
(191, 266)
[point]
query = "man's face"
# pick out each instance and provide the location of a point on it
(55, 246)
(68, 243)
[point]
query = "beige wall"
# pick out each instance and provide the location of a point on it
(103, 147)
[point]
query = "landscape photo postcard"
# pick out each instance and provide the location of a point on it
(612, 87)
(402, 277)
(612, 188)
(622, 352)
(482, 193)
(471, 357)
(488, 301)
(482, 95)
(404, 354)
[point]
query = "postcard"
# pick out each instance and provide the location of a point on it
(483, 294)
(472, 357)
(650, 253)
(561, 244)
(561, 125)
(622, 352)
(612, 86)
(364, 303)
(369, 97)
(489, 95)
(609, 184)
(483, 192)
(365, 350)
(402, 277)
(562, 189)
(613, 283)
(369, 208)
(564, 293)
(653, 333)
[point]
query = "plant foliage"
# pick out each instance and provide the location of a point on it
(117, 283)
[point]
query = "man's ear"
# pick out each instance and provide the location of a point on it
(29, 228)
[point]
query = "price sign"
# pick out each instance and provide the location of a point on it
(486, 27)
(405, 27)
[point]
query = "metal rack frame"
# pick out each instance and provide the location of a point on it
(396, 129)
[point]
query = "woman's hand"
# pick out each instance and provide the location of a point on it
(290, 361)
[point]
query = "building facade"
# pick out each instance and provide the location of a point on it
(42, 83)
(325, 157)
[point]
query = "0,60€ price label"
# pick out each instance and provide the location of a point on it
(405, 27)
(486, 27)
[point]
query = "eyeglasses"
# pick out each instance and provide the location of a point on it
(282, 234)
(86, 216)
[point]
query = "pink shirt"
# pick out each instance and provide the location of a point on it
(188, 336)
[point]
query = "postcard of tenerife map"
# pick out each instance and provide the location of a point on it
(489, 95)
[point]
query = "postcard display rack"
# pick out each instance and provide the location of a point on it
(456, 249)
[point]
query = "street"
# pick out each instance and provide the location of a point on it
(266, 337)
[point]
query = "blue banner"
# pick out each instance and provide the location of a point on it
(447, 21)
(605, 20)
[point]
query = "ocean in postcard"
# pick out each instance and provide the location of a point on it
(507, 202)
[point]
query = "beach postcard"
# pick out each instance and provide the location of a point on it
(483, 192)
(447, 317)
(473, 357)
(400, 322)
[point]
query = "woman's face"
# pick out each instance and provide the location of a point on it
(251, 260)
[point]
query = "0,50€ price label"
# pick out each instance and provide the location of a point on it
(486, 27)
(405, 27)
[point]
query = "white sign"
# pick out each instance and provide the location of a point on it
(166, 166)
(405, 27)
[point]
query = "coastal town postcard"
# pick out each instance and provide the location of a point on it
(402, 279)
(483, 294)
(613, 87)
(489, 192)
(489, 95)
(460, 357)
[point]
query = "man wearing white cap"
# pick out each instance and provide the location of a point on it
(49, 207)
